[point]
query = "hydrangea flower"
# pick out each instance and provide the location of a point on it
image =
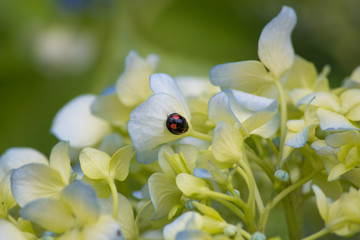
(148, 122)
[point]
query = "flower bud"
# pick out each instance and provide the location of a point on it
(258, 236)
(282, 175)
(230, 231)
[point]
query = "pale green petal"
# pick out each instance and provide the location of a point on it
(321, 99)
(132, 87)
(125, 215)
(164, 194)
(227, 143)
(321, 202)
(354, 113)
(73, 234)
(259, 123)
(187, 221)
(331, 189)
(297, 94)
(330, 121)
(110, 108)
(350, 99)
(191, 186)
(350, 204)
(190, 155)
(354, 80)
(19, 156)
(106, 228)
(35, 181)
(296, 125)
(275, 48)
(147, 125)
(343, 138)
(208, 211)
(120, 163)
(51, 214)
(219, 109)
(60, 160)
(82, 201)
(9, 232)
(353, 176)
(163, 160)
(75, 123)
(337, 171)
(246, 76)
(100, 186)
(94, 163)
(303, 74)
(163, 83)
(6, 198)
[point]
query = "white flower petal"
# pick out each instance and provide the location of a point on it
(16, 157)
(219, 109)
(332, 121)
(350, 98)
(298, 93)
(82, 201)
(51, 214)
(275, 48)
(35, 181)
(246, 76)
(198, 143)
(9, 232)
(163, 83)
(75, 123)
(147, 125)
(132, 87)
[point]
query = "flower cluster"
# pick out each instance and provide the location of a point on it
(188, 158)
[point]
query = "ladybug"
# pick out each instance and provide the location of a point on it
(177, 124)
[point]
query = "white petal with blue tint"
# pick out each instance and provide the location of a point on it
(219, 109)
(275, 48)
(163, 83)
(19, 156)
(333, 121)
(321, 99)
(246, 76)
(147, 125)
(195, 86)
(132, 87)
(75, 123)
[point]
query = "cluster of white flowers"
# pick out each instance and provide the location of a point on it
(188, 158)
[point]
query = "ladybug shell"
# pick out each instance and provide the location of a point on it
(177, 124)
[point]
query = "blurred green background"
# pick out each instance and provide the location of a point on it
(54, 50)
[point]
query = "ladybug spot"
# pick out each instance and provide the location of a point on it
(176, 124)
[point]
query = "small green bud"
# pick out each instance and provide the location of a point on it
(230, 231)
(258, 236)
(282, 175)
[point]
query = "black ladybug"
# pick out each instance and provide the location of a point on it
(177, 124)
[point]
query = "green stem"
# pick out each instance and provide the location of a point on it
(272, 146)
(200, 135)
(261, 163)
(265, 214)
(326, 229)
(245, 234)
(233, 208)
(283, 117)
(216, 196)
(114, 194)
